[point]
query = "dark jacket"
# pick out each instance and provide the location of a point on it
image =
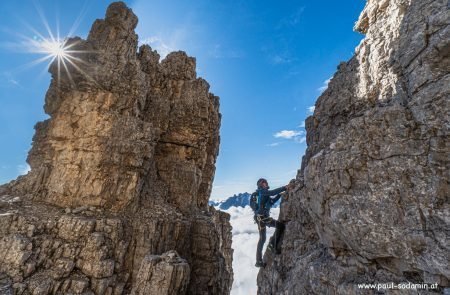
(265, 201)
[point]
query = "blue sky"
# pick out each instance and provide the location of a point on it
(267, 60)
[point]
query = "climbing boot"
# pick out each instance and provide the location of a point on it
(260, 264)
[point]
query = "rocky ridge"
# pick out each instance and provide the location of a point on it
(116, 201)
(371, 197)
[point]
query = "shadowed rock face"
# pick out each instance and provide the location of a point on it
(371, 200)
(121, 173)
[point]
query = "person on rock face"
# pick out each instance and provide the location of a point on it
(263, 201)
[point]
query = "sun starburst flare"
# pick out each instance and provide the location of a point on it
(51, 48)
(56, 49)
(65, 54)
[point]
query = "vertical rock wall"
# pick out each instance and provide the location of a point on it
(371, 200)
(121, 173)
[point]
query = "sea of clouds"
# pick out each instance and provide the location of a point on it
(245, 239)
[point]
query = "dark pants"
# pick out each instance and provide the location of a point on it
(263, 222)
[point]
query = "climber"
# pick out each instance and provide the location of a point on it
(261, 202)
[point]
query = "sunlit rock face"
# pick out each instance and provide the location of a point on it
(121, 173)
(371, 198)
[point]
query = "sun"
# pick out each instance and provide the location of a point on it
(61, 51)
(55, 48)
(52, 49)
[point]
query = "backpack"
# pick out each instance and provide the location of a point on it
(254, 202)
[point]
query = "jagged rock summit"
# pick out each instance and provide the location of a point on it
(121, 173)
(371, 203)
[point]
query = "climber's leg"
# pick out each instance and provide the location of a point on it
(275, 240)
(279, 230)
(261, 241)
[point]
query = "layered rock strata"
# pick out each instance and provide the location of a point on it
(121, 173)
(162, 274)
(371, 203)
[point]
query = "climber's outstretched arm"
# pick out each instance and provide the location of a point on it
(274, 200)
(276, 191)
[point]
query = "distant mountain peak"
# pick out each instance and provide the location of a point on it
(237, 200)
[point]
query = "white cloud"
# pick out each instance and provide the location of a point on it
(167, 29)
(245, 239)
(287, 134)
(273, 144)
(300, 139)
(13, 82)
(291, 20)
(325, 85)
(159, 45)
(302, 124)
(23, 169)
(8, 80)
(280, 59)
(296, 135)
(311, 110)
(218, 52)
